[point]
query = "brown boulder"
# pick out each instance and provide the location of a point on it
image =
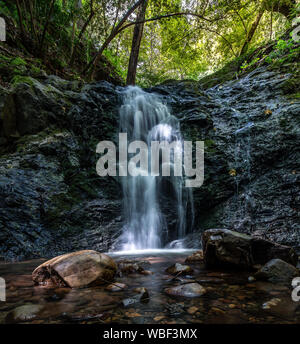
(196, 257)
(75, 270)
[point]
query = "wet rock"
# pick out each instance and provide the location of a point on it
(277, 271)
(117, 286)
(23, 313)
(143, 293)
(75, 270)
(272, 303)
(143, 296)
(196, 257)
(223, 247)
(179, 269)
(147, 272)
(175, 309)
(131, 267)
(187, 290)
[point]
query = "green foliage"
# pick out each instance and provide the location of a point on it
(247, 64)
(18, 61)
(285, 50)
(178, 47)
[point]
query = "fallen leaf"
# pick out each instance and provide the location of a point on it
(268, 112)
(192, 310)
(232, 172)
(159, 317)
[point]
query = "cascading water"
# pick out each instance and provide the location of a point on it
(155, 207)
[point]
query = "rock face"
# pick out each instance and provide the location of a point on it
(75, 270)
(277, 271)
(252, 179)
(223, 247)
(53, 202)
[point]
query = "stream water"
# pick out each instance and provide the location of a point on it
(230, 298)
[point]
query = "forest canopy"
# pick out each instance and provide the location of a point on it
(147, 41)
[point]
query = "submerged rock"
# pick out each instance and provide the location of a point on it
(272, 303)
(195, 257)
(24, 313)
(133, 266)
(117, 286)
(277, 271)
(143, 293)
(223, 247)
(75, 270)
(187, 290)
(179, 269)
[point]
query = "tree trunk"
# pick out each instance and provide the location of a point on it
(92, 13)
(112, 35)
(135, 47)
(46, 27)
(251, 32)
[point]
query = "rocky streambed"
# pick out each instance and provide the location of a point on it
(166, 287)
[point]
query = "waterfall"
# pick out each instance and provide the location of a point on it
(155, 207)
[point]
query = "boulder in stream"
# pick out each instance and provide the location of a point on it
(277, 271)
(75, 270)
(223, 248)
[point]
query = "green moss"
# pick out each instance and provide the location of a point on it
(18, 62)
(18, 79)
(291, 86)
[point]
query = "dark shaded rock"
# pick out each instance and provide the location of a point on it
(277, 271)
(264, 250)
(186, 290)
(52, 200)
(75, 270)
(32, 107)
(223, 247)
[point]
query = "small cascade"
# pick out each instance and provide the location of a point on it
(156, 208)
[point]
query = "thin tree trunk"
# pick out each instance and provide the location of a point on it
(111, 37)
(46, 26)
(92, 13)
(136, 43)
(20, 16)
(251, 32)
(32, 19)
